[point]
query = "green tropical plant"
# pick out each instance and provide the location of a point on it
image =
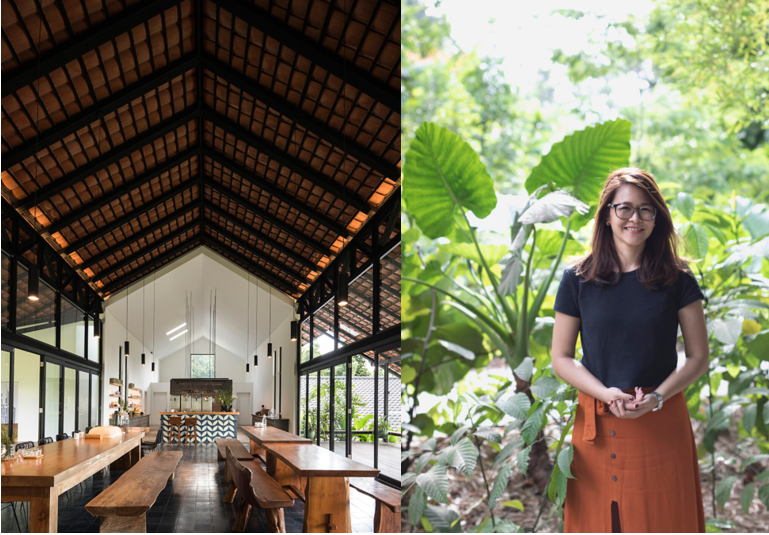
(225, 397)
(325, 409)
(471, 294)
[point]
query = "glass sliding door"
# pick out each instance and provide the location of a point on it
(95, 400)
(69, 401)
(52, 391)
(5, 383)
(26, 395)
(82, 400)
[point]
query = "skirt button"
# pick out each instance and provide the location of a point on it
(612, 433)
(613, 455)
(614, 478)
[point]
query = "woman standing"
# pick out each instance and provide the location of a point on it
(635, 462)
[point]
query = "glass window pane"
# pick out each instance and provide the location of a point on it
(340, 414)
(355, 319)
(305, 348)
(363, 408)
(303, 405)
(26, 395)
(72, 328)
(312, 408)
(6, 293)
(95, 400)
(202, 366)
(389, 416)
(323, 330)
(36, 319)
(93, 343)
(82, 401)
(52, 378)
(390, 289)
(5, 381)
(325, 408)
(69, 401)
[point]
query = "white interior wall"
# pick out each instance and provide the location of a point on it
(249, 313)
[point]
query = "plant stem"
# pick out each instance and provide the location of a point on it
(430, 327)
(712, 453)
(485, 480)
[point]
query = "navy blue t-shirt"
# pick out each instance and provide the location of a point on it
(628, 330)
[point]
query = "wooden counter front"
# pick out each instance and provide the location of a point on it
(209, 425)
(191, 413)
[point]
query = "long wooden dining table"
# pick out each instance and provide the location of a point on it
(327, 490)
(63, 465)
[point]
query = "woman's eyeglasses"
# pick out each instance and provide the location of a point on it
(624, 211)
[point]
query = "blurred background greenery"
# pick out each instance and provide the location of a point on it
(487, 449)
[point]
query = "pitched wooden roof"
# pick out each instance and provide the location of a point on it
(134, 131)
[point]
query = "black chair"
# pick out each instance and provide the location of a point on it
(24, 445)
(149, 446)
(46, 440)
(62, 436)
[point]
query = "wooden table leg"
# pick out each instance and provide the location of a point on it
(284, 474)
(386, 520)
(124, 524)
(44, 511)
(327, 505)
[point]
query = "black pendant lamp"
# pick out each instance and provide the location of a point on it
(269, 333)
(33, 284)
(97, 327)
(294, 330)
(248, 369)
(256, 359)
(342, 282)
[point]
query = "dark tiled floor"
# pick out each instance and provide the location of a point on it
(192, 502)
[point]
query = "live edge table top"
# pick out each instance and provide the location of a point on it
(269, 435)
(312, 460)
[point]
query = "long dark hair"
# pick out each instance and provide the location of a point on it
(660, 263)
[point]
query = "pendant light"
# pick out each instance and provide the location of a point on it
(153, 323)
(248, 319)
(256, 318)
(126, 346)
(144, 357)
(342, 282)
(269, 334)
(33, 284)
(97, 321)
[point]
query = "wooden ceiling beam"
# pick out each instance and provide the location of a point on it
(80, 44)
(149, 267)
(298, 115)
(262, 183)
(249, 205)
(143, 251)
(170, 218)
(140, 140)
(261, 236)
(314, 51)
(211, 226)
(98, 110)
(234, 257)
(130, 216)
(288, 161)
(118, 192)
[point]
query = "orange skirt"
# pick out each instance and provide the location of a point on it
(637, 475)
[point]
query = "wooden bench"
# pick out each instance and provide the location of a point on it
(257, 489)
(237, 447)
(123, 505)
(387, 515)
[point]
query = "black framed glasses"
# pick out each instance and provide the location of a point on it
(625, 211)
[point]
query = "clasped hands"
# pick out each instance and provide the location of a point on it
(624, 405)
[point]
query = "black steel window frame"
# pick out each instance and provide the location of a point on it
(64, 363)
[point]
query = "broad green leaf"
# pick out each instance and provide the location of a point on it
(435, 483)
(727, 331)
(442, 176)
(746, 497)
(757, 221)
(763, 494)
(500, 484)
(564, 460)
(515, 504)
(417, 505)
(753, 459)
(581, 162)
(552, 206)
(724, 490)
(696, 239)
(749, 418)
(462, 333)
(522, 460)
(457, 349)
(504, 454)
(556, 489)
(524, 370)
(491, 253)
(464, 456)
(533, 424)
(759, 345)
(517, 405)
(544, 386)
(685, 203)
(408, 374)
(443, 519)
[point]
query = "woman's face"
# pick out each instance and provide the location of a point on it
(632, 232)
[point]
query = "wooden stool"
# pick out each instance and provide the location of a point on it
(191, 427)
(175, 427)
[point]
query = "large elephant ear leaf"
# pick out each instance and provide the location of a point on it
(582, 160)
(443, 176)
